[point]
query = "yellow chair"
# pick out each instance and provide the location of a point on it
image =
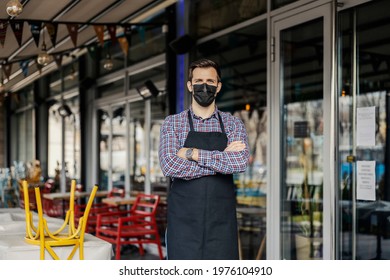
(47, 239)
(31, 229)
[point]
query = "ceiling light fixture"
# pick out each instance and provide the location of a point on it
(14, 8)
(43, 57)
(147, 90)
(64, 111)
(108, 64)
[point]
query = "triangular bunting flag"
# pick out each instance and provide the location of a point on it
(124, 45)
(99, 29)
(24, 67)
(58, 59)
(92, 51)
(17, 27)
(52, 30)
(7, 70)
(3, 31)
(127, 32)
(35, 27)
(73, 29)
(112, 31)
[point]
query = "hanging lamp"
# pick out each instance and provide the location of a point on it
(43, 57)
(14, 8)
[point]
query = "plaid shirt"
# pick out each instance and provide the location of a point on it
(174, 132)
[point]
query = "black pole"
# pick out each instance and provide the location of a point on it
(171, 59)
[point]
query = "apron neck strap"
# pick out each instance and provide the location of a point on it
(192, 125)
(190, 121)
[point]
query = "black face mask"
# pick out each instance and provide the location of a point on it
(204, 94)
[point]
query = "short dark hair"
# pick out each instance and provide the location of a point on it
(204, 63)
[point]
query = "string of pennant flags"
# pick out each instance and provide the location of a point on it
(17, 27)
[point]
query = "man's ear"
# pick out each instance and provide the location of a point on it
(189, 86)
(219, 86)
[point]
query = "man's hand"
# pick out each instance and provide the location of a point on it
(235, 146)
(182, 153)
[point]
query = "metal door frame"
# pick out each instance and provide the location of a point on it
(327, 10)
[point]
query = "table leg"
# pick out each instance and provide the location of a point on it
(261, 248)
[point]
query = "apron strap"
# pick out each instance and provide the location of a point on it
(221, 123)
(190, 121)
(192, 124)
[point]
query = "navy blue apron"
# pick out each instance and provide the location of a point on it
(202, 212)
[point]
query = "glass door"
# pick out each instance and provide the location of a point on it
(364, 192)
(302, 117)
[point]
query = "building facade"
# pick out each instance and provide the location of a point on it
(310, 80)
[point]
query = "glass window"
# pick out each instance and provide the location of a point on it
(118, 146)
(146, 41)
(156, 74)
(70, 125)
(23, 136)
(159, 110)
(111, 59)
(242, 55)
(211, 16)
(137, 145)
(364, 208)
(301, 79)
(280, 3)
(117, 123)
(70, 74)
(111, 88)
(104, 151)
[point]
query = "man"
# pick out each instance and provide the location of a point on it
(200, 149)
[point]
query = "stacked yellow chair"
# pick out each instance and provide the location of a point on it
(65, 235)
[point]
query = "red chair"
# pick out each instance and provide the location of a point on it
(116, 192)
(97, 208)
(136, 226)
(55, 207)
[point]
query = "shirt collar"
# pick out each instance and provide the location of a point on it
(213, 115)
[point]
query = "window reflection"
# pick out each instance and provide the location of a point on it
(137, 148)
(71, 144)
(104, 161)
(280, 3)
(367, 226)
(242, 55)
(118, 146)
(212, 16)
(302, 140)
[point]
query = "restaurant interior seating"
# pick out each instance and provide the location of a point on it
(136, 226)
(97, 208)
(55, 208)
(67, 235)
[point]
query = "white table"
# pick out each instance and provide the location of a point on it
(13, 246)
